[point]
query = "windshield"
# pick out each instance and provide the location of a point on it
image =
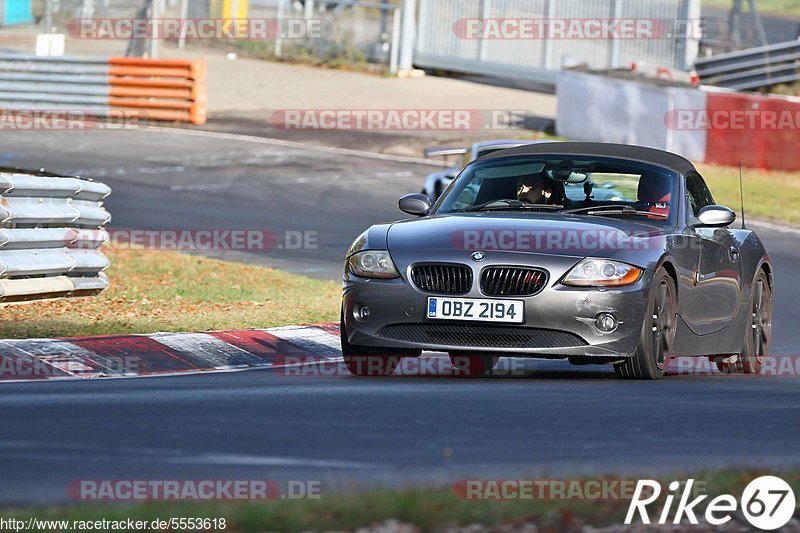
(581, 186)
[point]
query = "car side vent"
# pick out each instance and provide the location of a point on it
(442, 278)
(512, 281)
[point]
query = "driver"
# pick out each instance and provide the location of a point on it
(532, 190)
(539, 190)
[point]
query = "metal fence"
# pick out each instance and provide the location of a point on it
(753, 68)
(439, 46)
(353, 31)
(369, 32)
(731, 29)
(50, 236)
(54, 16)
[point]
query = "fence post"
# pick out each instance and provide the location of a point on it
(155, 14)
(279, 36)
(408, 34)
(486, 7)
(689, 45)
(48, 16)
(395, 50)
(762, 37)
(184, 15)
(547, 43)
(613, 47)
(87, 10)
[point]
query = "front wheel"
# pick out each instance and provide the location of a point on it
(758, 332)
(658, 333)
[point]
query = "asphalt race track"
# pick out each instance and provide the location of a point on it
(554, 420)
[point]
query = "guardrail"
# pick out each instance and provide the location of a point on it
(753, 68)
(153, 89)
(51, 231)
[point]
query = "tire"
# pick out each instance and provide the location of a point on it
(654, 349)
(757, 334)
(364, 361)
(473, 365)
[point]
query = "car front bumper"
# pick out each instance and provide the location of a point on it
(559, 321)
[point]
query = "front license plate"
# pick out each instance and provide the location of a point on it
(476, 309)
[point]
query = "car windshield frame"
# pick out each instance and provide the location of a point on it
(465, 177)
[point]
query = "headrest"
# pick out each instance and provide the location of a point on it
(654, 188)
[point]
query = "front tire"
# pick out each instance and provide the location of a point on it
(758, 332)
(654, 350)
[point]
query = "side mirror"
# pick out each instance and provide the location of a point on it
(415, 204)
(716, 216)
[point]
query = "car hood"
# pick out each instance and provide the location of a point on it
(542, 233)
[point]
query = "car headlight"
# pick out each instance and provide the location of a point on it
(372, 264)
(602, 273)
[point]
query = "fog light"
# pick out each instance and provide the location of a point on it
(605, 322)
(363, 313)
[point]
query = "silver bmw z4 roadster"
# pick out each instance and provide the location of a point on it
(518, 258)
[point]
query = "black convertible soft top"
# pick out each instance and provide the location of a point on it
(617, 151)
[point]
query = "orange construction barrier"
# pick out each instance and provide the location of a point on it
(159, 89)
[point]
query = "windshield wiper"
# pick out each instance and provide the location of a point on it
(593, 208)
(611, 209)
(508, 205)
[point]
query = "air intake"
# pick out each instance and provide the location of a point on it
(442, 278)
(512, 281)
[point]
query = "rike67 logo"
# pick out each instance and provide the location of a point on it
(767, 502)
